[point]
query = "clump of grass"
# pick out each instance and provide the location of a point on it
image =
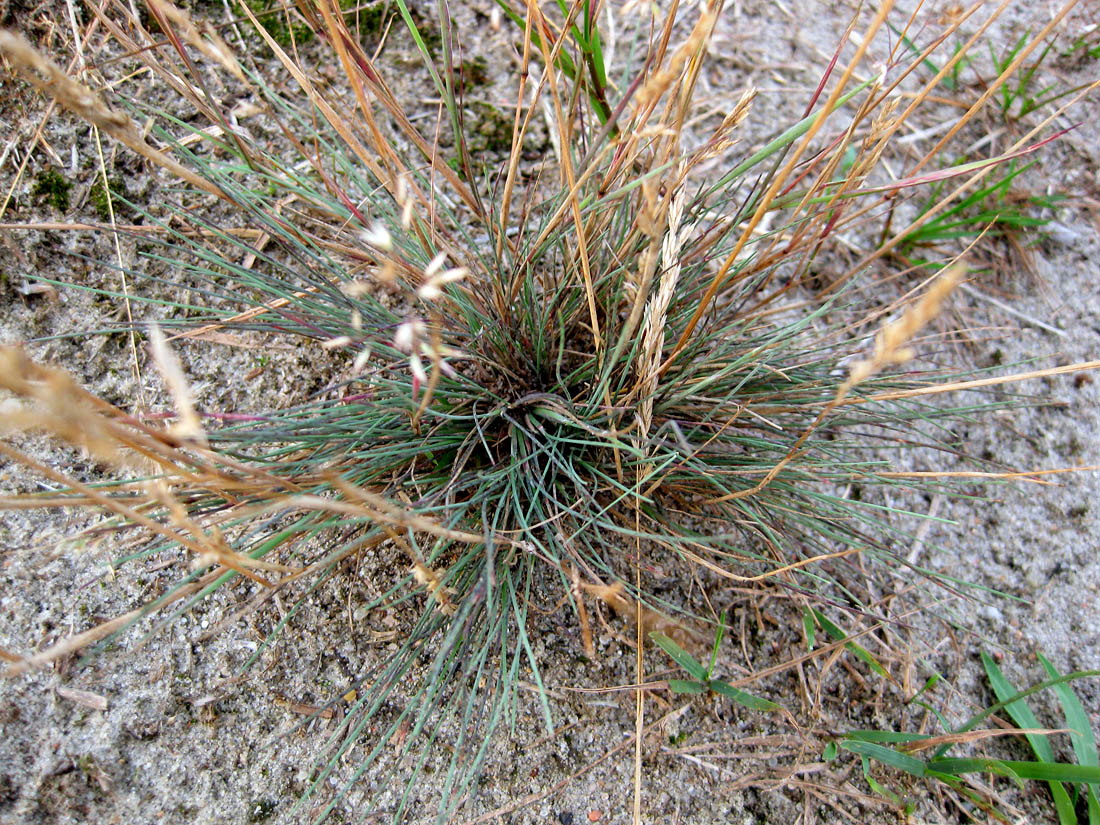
(1085, 47)
(1016, 70)
(554, 376)
(993, 210)
(1022, 95)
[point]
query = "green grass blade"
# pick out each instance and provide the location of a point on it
(887, 756)
(1053, 772)
(809, 626)
(859, 651)
(1024, 718)
(742, 697)
(1081, 735)
(717, 643)
(1018, 709)
(680, 656)
(684, 686)
(971, 723)
(884, 736)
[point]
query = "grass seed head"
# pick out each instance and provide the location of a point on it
(891, 343)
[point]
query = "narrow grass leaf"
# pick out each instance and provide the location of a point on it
(742, 697)
(859, 651)
(679, 655)
(1081, 735)
(1024, 718)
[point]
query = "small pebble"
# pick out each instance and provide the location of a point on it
(594, 816)
(1060, 233)
(992, 613)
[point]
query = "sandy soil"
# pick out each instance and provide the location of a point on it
(183, 739)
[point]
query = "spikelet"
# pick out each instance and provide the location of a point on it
(721, 141)
(211, 45)
(612, 595)
(188, 426)
(653, 332)
(660, 82)
(50, 401)
(891, 343)
(431, 580)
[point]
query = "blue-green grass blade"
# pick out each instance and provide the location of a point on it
(785, 139)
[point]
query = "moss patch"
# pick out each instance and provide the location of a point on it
(474, 72)
(104, 199)
(283, 27)
(493, 130)
(287, 29)
(53, 187)
(261, 810)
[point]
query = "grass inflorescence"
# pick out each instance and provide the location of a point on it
(549, 377)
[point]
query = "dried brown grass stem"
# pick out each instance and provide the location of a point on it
(49, 79)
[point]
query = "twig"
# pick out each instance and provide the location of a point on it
(1015, 313)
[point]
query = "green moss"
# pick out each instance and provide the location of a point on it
(283, 27)
(474, 72)
(261, 809)
(51, 186)
(429, 30)
(101, 200)
(289, 29)
(369, 20)
(492, 131)
(104, 199)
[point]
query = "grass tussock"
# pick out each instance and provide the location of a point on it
(553, 375)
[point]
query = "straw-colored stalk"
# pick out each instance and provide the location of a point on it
(51, 80)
